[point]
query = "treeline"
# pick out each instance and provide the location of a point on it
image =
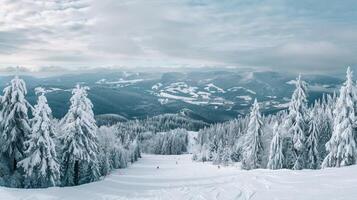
(173, 142)
(149, 131)
(42, 152)
(116, 152)
(160, 123)
(317, 136)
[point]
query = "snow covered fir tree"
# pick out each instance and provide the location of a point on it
(40, 163)
(253, 149)
(15, 128)
(276, 157)
(312, 142)
(342, 145)
(38, 151)
(296, 125)
(79, 141)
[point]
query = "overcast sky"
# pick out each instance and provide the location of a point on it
(315, 35)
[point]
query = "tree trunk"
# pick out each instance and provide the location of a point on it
(14, 165)
(76, 172)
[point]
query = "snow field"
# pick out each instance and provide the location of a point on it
(195, 180)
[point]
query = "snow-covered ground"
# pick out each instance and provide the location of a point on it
(182, 91)
(191, 180)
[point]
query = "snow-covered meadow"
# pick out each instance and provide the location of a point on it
(178, 177)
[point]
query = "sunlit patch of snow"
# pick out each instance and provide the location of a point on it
(251, 91)
(189, 94)
(245, 97)
(204, 95)
(119, 83)
(49, 90)
(156, 86)
(197, 102)
(237, 88)
(282, 105)
(181, 87)
(213, 88)
(171, 96)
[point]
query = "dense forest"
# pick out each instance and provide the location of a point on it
(301, 137)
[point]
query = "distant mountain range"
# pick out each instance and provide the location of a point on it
(211, 96)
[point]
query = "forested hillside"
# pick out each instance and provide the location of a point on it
(304, 136)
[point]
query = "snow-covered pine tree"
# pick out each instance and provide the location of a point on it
(313, 156)
(135, 150)
(276, 157)
(40, 163)
(166, 145)
(342, 146)
(79, 141)
(226, 157)
(325, 114)
(253, 149)
(218, 154)
(14, 124)
(297, 127)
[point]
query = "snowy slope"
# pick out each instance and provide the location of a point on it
(192, 141)
(192, 180)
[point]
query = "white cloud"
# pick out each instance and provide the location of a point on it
(273, 33)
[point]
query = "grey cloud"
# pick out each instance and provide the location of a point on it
(284, 35)
(11, 41)
(13, 69)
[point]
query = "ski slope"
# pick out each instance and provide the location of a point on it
(191, 180)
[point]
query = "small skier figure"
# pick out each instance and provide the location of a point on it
(157, 167)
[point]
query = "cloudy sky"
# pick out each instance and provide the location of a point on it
(314, 35)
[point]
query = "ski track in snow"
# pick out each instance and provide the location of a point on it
(201, 181)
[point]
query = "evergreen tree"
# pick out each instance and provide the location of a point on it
(79, 141)
(226, 157)
(14, 124)
(312, 141)
(136, 149)
(297, 126)
(253, 149)
(218, 154)
(342, 146)
(276, 157)
(325, 114)
(40, 165)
